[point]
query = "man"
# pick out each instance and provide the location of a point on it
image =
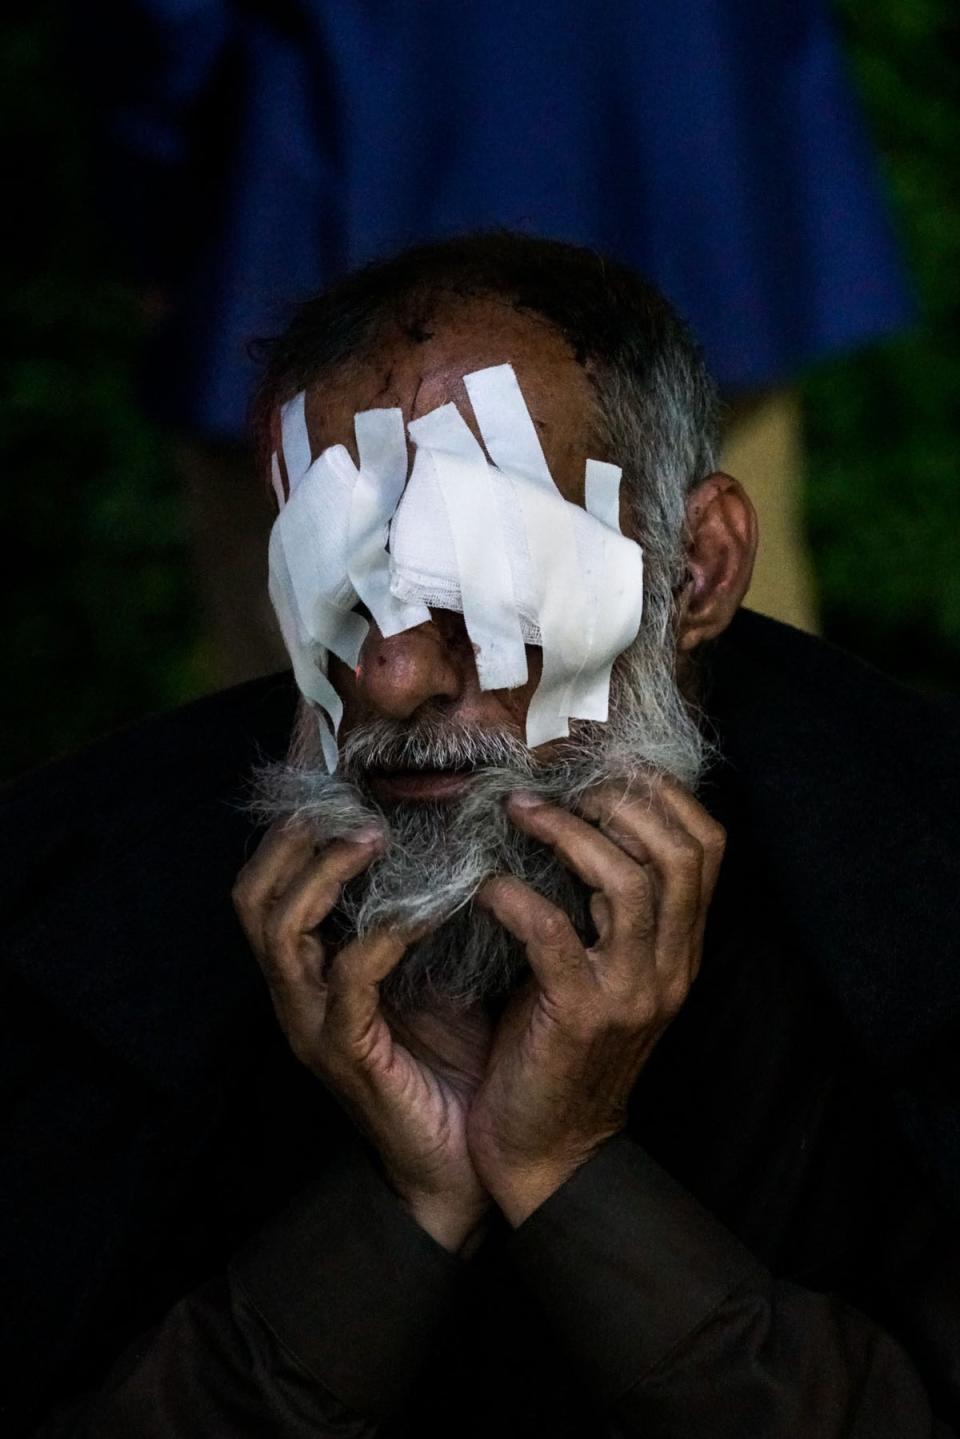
(623, 1079)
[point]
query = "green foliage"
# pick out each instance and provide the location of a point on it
(100, 616)
(883, 425)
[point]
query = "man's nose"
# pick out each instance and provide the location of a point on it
(396, 676)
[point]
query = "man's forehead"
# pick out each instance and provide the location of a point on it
(418, 375)
(524, 545)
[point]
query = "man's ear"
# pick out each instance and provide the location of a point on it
(721, 546)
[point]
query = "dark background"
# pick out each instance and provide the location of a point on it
(102, 613)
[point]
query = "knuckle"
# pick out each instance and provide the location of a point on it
(620, 991)
(641, 930)
(638, 924)
(640, 1011)
(628, 1004)
(582, 1025)
(554, 930)
(623, 1023)
(634, 890)
(687, 852)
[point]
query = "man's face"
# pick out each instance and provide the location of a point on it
(424, 751)
(435, 662)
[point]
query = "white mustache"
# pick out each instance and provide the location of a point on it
(431, 744)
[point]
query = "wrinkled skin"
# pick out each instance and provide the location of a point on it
(464, 1113)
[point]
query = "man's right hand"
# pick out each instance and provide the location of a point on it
(407, 1085)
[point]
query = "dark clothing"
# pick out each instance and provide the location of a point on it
(261, 150)
(770, 1249)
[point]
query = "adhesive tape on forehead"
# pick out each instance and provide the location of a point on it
(495, 541)
(294, 439)
(449, 541)
(501, 544)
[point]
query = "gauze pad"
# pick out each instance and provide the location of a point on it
(496, 542)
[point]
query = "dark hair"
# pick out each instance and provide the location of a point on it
(656, 405)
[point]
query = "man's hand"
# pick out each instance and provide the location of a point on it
(570, 1046)
(410, 1098)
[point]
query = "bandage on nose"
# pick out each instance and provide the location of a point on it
(492, 539)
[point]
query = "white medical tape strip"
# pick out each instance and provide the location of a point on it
(382, 448)
(312, 683)
(313, 527)
(602, 492)
(309, 587)
(500, 543)
(487, 597)
(614, 577)
(294, 439)
(562, 612)
(590, 691)
(506, 426)
(423, 559)
(276, 480)
(614, 571)
(512, 443)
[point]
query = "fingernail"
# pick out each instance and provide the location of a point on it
(526, 799)
(367, 835)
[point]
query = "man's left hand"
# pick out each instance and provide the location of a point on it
(570, 1046)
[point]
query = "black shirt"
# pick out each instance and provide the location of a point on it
(769, 1250)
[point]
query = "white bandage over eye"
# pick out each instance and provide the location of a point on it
(496, 542)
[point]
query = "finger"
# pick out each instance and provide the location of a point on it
(292, 956)
(281, 854)
(690, 813)
(614, 809)
(556, 955)
(287, 855)
(687, 813)
(312, 894)
(355, 1025)
(676, 855)
(599, 862)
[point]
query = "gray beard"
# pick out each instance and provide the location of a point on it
(439, 853)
